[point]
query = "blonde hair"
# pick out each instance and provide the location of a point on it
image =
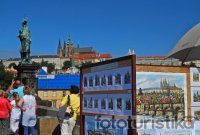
(27, 90)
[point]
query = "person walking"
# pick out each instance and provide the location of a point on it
(5, 106)
(72, 100)
(15, 114)
(28, 105)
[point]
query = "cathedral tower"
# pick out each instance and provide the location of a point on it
(68, 48)
(59, 50)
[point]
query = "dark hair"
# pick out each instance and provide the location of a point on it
(74, 89)
(6, 95)
(16, 98)
(27, 90)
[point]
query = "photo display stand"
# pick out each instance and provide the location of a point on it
(108, 97)
(164, 100)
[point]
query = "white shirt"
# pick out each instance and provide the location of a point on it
(15, 112)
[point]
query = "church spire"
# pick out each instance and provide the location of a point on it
(69, 42)
(59, 51)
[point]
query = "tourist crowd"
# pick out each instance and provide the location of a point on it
(17, 109)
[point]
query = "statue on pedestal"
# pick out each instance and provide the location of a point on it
(25, 39)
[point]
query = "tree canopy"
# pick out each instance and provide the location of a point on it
(5, 78)
(50, 66)
(67, 64)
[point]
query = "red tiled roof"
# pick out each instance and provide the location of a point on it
(138, 102)
(90, 56)
(164, 100)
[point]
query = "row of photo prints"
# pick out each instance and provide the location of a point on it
(118, 104)
(115, 79)
(106, 126)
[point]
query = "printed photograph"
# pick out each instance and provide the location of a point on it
(97, 80)
(161, 94)
(109, 79)
(196, 113)
(91, 127)
(91, 81)
(110, 103)
(128, 104)
(85, 102)
(119, 104)
(85, 81)
(127, 78)
(118, 79)
(103, 103)
(177, 132)
(96, 105)
(195, 96)
(146, 132)
(90, 103)
(103, 81)
(195, 77)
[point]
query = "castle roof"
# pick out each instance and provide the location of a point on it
(84, 50)
(90, 56)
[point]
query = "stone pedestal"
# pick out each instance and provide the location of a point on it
(26, 73)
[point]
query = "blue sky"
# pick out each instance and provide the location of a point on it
(150, 27)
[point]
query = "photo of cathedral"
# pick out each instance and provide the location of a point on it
(161, 95)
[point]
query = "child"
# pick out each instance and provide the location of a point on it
(15, 114)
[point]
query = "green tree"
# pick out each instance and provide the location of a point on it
(12, 65)
(44, 63)
(36, 64)
(1, 66)
(66, 64)
(50, 67)
(5, 79)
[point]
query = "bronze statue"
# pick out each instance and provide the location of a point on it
(25, 39)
